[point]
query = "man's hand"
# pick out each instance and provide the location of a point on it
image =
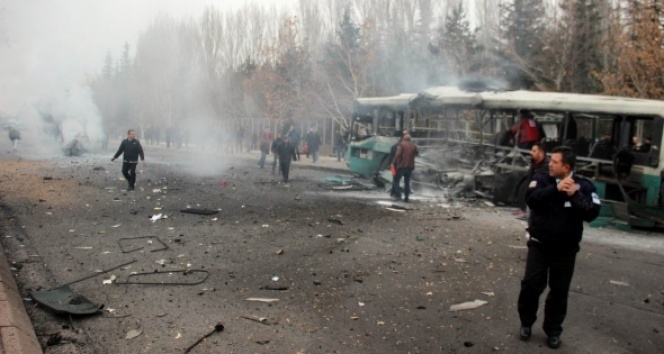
(113, 159)
(568, 186)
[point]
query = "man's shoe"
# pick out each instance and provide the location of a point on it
(524, 333)
(553, 342)
(131, 188)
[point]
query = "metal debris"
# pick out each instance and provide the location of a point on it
(134, 333)
(217, 328)
(470, 305)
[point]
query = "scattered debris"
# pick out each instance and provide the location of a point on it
(110, 280)
(63, 300)
(262, 320)
(488, 293)
(619, 283)
(170, 275)
(134, 333)
(280, 252)
(217, 328)
(159, 216)
(261, 299)
(393, 209)
(124, 242)
(335, 219)
(275, 278)
(199, 211)
(470, 305)
(116, 225)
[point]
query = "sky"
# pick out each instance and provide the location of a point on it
(48, 45)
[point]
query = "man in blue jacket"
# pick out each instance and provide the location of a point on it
(132, 149)
(560, 202)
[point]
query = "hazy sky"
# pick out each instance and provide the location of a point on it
(48, 45)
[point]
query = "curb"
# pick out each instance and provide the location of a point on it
(17, 335)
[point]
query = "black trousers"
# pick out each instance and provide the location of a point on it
(544, 265)
(406, 173)
(285, 166)
(129, 172)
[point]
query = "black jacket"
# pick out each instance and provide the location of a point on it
(131, 149)
(556, 220)
(286, 151)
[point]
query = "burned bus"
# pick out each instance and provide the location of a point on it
(465, 137)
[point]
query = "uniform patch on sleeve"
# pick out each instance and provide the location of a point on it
(532, 184)
(595, 198)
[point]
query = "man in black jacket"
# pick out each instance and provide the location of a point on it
(560, 202)
(132, 149)
(286, 152)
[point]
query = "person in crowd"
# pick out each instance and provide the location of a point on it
(339, 145)
(14, 137)
(313, 142)
(294, 137)
(560, 201)
(275, 145)
(131, 149)
(404, 163)
(286, 152)
(529, 131)
(265, 141)
(538, 164)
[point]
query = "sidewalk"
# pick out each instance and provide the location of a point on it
(324, 163)
(17, 335)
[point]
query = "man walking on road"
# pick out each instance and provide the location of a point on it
(294, 137)
(313, 143)
(404, 163)
(286, 152)
(560, 202)
(132, 149)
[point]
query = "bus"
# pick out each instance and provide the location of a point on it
(617, 141)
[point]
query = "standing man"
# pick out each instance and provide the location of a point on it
(294, 137)
(314, 142)
(538, 164)
(266, 139)
(286, 152)
(14, 136)
(132, 149)
(560, 202)
(275, 145)
(404, 162)
(339, 144)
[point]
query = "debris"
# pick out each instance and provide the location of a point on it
(489, 204)
(262, 342)
(83, 248)
(280, 252)
(123, 242)
(488, 293)
(171, 275)
(110, 280)
(275, 278)
(380, 323)
(199, 211)
(134, 333)
(64, 300)
(336, 220)
(393, 209)
(265, 226)
(470, 305)
(262, 320)
(460, 260)
(156, 217)
(217, 328)
(261, 299)
(117, 225)
(47, 178)
(619, 283)
(468, 344)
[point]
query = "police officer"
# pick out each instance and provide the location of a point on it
(560, 202)
(132, 149)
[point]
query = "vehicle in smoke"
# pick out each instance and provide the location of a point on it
(468, 150)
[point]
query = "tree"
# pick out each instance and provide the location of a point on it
(637, 70)
(522, 31)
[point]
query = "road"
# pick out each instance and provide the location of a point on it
(351, 275)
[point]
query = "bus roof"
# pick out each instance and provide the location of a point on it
(556, 101)
(446, 95)
(398, 101)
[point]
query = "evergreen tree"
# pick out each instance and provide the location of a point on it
(522, 32)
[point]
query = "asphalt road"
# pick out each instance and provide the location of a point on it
(350, 275)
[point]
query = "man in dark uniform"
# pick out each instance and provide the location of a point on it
(560, 202)
(132, 149)
(286, 152)
(275, 158)
(538, 164)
